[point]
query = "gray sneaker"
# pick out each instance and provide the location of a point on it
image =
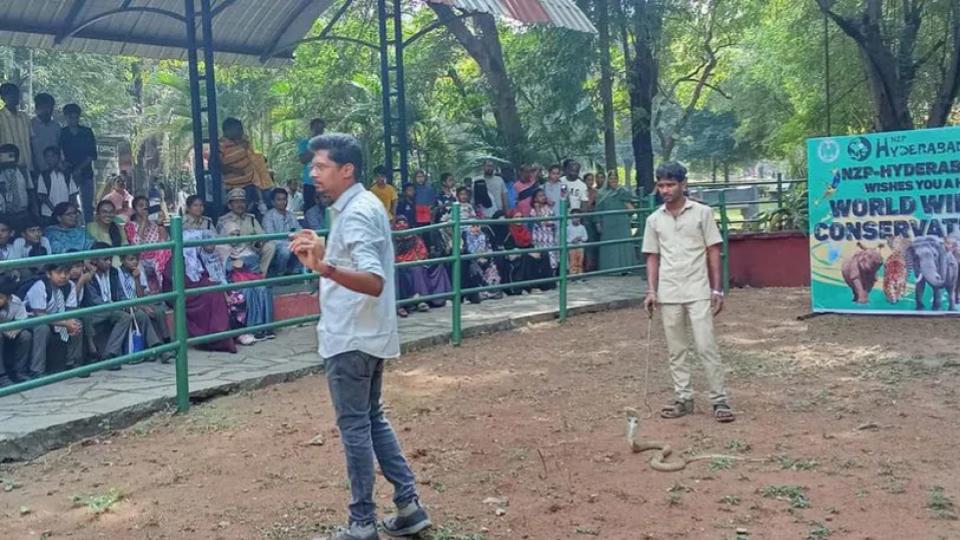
(353, 532)
(408, 521)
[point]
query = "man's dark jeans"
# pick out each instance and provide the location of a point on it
(356, 381)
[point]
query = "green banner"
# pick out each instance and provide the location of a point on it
(885, 222)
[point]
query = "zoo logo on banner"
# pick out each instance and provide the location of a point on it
(885, 222)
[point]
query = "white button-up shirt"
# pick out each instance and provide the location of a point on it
(359, 240)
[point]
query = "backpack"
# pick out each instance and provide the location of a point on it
(28, 284)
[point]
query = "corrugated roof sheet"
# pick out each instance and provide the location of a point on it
(562, 13)
(243, 30)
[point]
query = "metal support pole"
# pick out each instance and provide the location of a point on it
(180, 315)
(457, 334)
(213, 122)
(724, 231)
(385, 90)
(401, 93)
(564, 258)
(195, 113)
(779, 191)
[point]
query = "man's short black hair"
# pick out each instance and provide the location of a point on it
(555, 166)
(61, 266)
(72, 108)
(380, 170)
(29, 222)
(318, 121)
(232, 122)
(9, 88)
(279, 191)
(10, 148)
(672, 170)
(444, 176)
(42, 99)
(342, 149)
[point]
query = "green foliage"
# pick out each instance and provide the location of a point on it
(98, 503)
(794, 494)
(792, 215)
(941, 504)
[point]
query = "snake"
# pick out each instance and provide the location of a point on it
(661, 460)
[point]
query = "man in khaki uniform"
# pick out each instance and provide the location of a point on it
(239, 222)
(682, 244)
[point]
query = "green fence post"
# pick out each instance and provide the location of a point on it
(456, 335)
(180, 315)
(564, 254)
(779, 191)
(724, 231)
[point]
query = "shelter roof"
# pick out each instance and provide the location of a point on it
(562, 13)
(244, 31)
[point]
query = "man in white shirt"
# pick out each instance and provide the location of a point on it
(553, 188)
(357, 331)
(496, 189)
(13, 309)
(576, 189)
(53, 186)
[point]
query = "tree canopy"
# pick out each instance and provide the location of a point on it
(709, 82)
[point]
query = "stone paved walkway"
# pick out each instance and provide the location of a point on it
(36, 421)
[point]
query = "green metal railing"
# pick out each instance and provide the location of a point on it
(180, 292)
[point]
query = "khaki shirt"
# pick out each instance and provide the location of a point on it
(682, 243)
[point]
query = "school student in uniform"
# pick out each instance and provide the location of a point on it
(44, 296)
(151, 318)
(14, 344)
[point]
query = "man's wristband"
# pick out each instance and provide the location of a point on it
(718, 293)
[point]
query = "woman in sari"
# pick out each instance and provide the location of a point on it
(104, 228)
(527, 266)
(479, 243)
(591, 253)
(544, 232)
(613, 196)
(67, 234)
(207, 313)
(526, 186)
(142, 230)
(416, 281)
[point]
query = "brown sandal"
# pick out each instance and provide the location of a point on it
(677, 409)
(723, 413)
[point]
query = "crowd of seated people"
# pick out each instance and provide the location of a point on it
(489, 196)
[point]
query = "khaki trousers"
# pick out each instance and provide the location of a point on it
(699, 317)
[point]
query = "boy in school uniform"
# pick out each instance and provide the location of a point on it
(54, 186)
(151, 319)
(45, 297)
(105, 288)
(14, 344)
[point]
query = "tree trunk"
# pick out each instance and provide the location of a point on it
(890, 75)
(606, 84)
(642, 74)
(483, 45)
(950, 87)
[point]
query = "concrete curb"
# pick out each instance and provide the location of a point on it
(37, 443)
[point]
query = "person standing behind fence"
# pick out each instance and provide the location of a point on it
(357, 331)
(317, 126)
(79, 152)
(576, 235)
(682, 244)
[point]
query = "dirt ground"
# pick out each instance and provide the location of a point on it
(851, 422)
